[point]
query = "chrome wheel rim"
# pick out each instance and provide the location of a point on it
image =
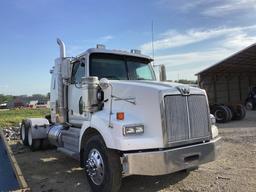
(95, 167)
(249, 106)
(29, 137)
(23, 132)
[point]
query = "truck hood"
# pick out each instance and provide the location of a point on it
(145, 108)
(166, 87)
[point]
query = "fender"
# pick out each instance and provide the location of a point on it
(39, 127)
(98, 123)
(112, 136)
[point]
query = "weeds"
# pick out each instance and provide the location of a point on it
(13, 117)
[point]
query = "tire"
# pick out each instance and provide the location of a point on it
(107, 163)
(240, 112)
(221, 113)
(24, 132)
(34, 144)
(233, 110)
(230, 115)
(48, 117)
(45, 144)
(249, 105)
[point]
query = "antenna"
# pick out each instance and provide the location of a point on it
(152, 42)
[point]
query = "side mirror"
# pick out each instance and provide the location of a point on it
(65, 68)
(162, 73)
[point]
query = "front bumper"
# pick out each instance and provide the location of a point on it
(171, 160)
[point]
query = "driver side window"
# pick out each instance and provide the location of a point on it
(78, 71)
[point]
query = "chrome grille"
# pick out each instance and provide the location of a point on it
(199, 116)
(187, 118)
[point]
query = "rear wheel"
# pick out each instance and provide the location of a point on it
(103, 166)
(34, 144)
(45, 144)
(24, 132)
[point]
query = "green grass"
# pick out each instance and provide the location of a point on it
(13, 117)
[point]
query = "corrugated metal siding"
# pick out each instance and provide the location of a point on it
(187, 117)
(225, 83)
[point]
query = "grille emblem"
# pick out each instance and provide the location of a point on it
(184, 90)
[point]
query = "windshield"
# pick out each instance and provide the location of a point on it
(120, 67)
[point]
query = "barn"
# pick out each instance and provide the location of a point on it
(229, 81)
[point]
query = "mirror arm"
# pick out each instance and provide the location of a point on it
(162, 74)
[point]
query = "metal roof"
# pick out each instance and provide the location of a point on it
(243, 61)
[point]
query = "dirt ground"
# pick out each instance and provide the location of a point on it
(234, 169)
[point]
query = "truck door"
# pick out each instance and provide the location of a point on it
(76, 117)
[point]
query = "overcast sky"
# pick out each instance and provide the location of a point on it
(189, 35)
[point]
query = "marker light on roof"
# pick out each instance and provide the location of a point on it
(100, 46)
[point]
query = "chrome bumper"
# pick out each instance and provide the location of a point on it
(169, 161)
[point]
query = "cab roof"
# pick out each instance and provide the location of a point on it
(116, 52)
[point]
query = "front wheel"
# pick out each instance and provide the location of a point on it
(103, 166)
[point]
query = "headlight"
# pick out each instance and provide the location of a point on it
(133, 129)
(215, 131)
(214, 128)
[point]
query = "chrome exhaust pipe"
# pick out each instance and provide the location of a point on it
(62, 48)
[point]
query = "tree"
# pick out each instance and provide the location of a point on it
(48, 95)
(5, 98)
(185, 81)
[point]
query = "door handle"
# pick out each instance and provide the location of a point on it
(80, 105)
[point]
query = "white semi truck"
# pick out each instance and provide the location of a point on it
(109, 112)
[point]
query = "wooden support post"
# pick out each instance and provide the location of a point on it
(250, 81)
(214, 89)
(228, 87)
(240, 87)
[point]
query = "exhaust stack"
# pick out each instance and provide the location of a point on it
(60, 94)
(62, 48)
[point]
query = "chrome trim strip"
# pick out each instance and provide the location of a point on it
(189, 141)
(189, 124)
(163, 118)
(207, 101)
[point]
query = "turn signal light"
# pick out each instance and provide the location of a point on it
(120, 115)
